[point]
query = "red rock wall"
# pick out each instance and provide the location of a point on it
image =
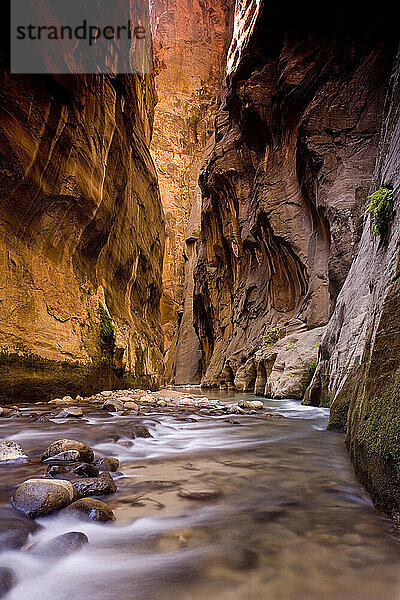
(284, 186)
(81, 227)
(189, 42)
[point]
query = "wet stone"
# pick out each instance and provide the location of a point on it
(72, 411)
(40, 497)
(59, 546)
(67, 456)
(113, 405)
(55, 470)
(89, 508)
(15, 532)
(140, 431)
(95, 486)
(108, 463)
(201, 495)
(86, 454)
(86, 470)
(7, 581)
(11, 452)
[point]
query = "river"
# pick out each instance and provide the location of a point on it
(293, 522)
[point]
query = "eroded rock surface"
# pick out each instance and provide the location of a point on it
(82, 235)
(285, 184)
(188, 43)
(359, 370)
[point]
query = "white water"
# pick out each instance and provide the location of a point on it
(328, 542)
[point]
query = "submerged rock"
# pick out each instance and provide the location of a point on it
(113, 405)
(90, 508)
(15, 532)
(60, 546)
(201, 495)
(7, 580)
(95, 486)
(40, 497)
(141, 431)
(86, 454)
(107, 463)
(11, 452)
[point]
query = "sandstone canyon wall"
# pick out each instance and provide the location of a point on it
(359, 367)
(189, 42)
(82, 235)
(285, 185)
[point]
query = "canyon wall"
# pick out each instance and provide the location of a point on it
(82, 235)
(359, 368)
(189, 44)
(284, 187)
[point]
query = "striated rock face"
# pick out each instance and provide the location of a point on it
(284, 187)
(82, 237)
(188, 43)
(359, 370)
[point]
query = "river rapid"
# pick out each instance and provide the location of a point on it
(293, 522)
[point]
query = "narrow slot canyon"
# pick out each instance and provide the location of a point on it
(199, 301)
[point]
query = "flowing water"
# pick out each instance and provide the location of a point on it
(293, 522)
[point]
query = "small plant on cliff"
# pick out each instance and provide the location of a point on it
(380, 207)
(107, 333)
(312, 367)
(306, 379)
(271, 337)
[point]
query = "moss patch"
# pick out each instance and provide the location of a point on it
(375, 447)
(107, 333)
(380, 207)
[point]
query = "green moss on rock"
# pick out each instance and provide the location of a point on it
(28, 377)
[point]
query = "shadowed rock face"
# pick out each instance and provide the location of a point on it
(359, 370)
(81, 239)
(188, 44)
(285, 184)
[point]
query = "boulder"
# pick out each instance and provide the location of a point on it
(65, 401)
(40, 497)
(131, 406)
(95, 486)
(70, 411)
(59, 546)
(86, 454)
(107, 463)
(113, 405)
(141, 431)
(11, 452)
(89, 508)
(254, 404)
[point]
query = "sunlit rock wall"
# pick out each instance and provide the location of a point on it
(81, 235)
(189, 42)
